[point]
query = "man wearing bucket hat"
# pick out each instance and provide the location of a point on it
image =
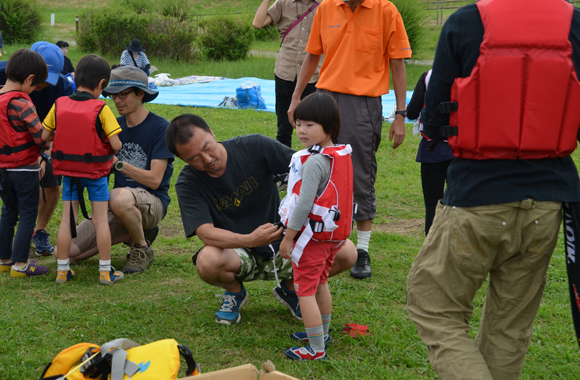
(143, 169)
(135, 56)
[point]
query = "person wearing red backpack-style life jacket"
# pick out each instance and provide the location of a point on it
(85, 134)
(317, 212)
(507, 71)
(20, 147)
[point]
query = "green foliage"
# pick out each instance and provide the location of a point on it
(136, 6)
(178, 9)
(108, 30)
(225, 38)
(19, 21)
(267, 33)
(413, 14)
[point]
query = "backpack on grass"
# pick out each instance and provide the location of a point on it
(121, 359)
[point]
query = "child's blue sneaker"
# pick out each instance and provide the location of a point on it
(305, 353)
(229, 312)
(107, 278)
(41, 243)
(63, 276)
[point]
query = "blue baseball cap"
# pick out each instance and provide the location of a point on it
(53, 57)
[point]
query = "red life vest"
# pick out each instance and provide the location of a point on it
(331, 216)
(521, 100)
(16, 148)
(80, 147)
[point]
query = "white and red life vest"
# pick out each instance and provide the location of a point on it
(80, 148)
(418, 128)
(331, 216)
(16, 148)
(522, 98)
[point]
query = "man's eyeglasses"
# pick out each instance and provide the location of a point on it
(121, 95)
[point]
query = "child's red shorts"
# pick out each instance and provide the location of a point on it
(314, 266)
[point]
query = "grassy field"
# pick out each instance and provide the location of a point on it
(170, 301)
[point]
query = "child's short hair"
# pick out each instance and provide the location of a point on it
(320, 108)
(91, 69)
(24, 63)
(62, 44)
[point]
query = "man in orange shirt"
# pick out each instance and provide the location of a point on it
(359, 38)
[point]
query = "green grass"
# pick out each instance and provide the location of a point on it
(170, 301)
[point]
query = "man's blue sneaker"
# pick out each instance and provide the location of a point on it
(288, 298)
(301, 336)
(42, 244)
(229, 312)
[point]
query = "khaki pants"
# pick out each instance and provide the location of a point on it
(513, 243)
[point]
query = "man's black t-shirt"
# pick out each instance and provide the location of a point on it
(244, 197)
(484, 182)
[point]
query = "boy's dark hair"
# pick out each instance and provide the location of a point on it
(91, 69)
(181, 130)
(62, 44)
(115, 66)
(320, 108)
(24, 63)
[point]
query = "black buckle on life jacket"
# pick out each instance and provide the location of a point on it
(316, 226)
(336, 212)
(58, 155)
(447, 131)
(315, 149)
(88, 158)
(444, 108)
(6, 150)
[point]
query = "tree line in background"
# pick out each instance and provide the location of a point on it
(167, 28)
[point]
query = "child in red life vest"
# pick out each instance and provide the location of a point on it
(20, 146)
(84, 131)
(318, 214)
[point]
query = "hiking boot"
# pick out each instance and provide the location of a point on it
(5, 267)
(41, 242)
(362, 267)
(305, 353)
(63, 276)
(288, 298)
(229, 312)
(139, 259)
(107, 278)
(30, 270)
(301, 336)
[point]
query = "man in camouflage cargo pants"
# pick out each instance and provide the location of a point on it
(228, 198)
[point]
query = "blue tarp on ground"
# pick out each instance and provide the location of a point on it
(211, 94)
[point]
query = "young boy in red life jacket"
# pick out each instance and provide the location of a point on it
(20, 146)
(84, 131)
(318, 214)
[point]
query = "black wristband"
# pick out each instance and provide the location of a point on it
(404, 113)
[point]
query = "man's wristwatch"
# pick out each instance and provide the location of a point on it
(404, 113)
(119, 165)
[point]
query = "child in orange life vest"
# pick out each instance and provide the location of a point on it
(84, 131)
(20, 146)
(318, 214)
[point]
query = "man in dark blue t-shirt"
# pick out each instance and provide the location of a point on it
(143, 169)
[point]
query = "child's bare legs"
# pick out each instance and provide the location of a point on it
(101, 224)
(63, 241)
(64, 236)
(313, 309)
